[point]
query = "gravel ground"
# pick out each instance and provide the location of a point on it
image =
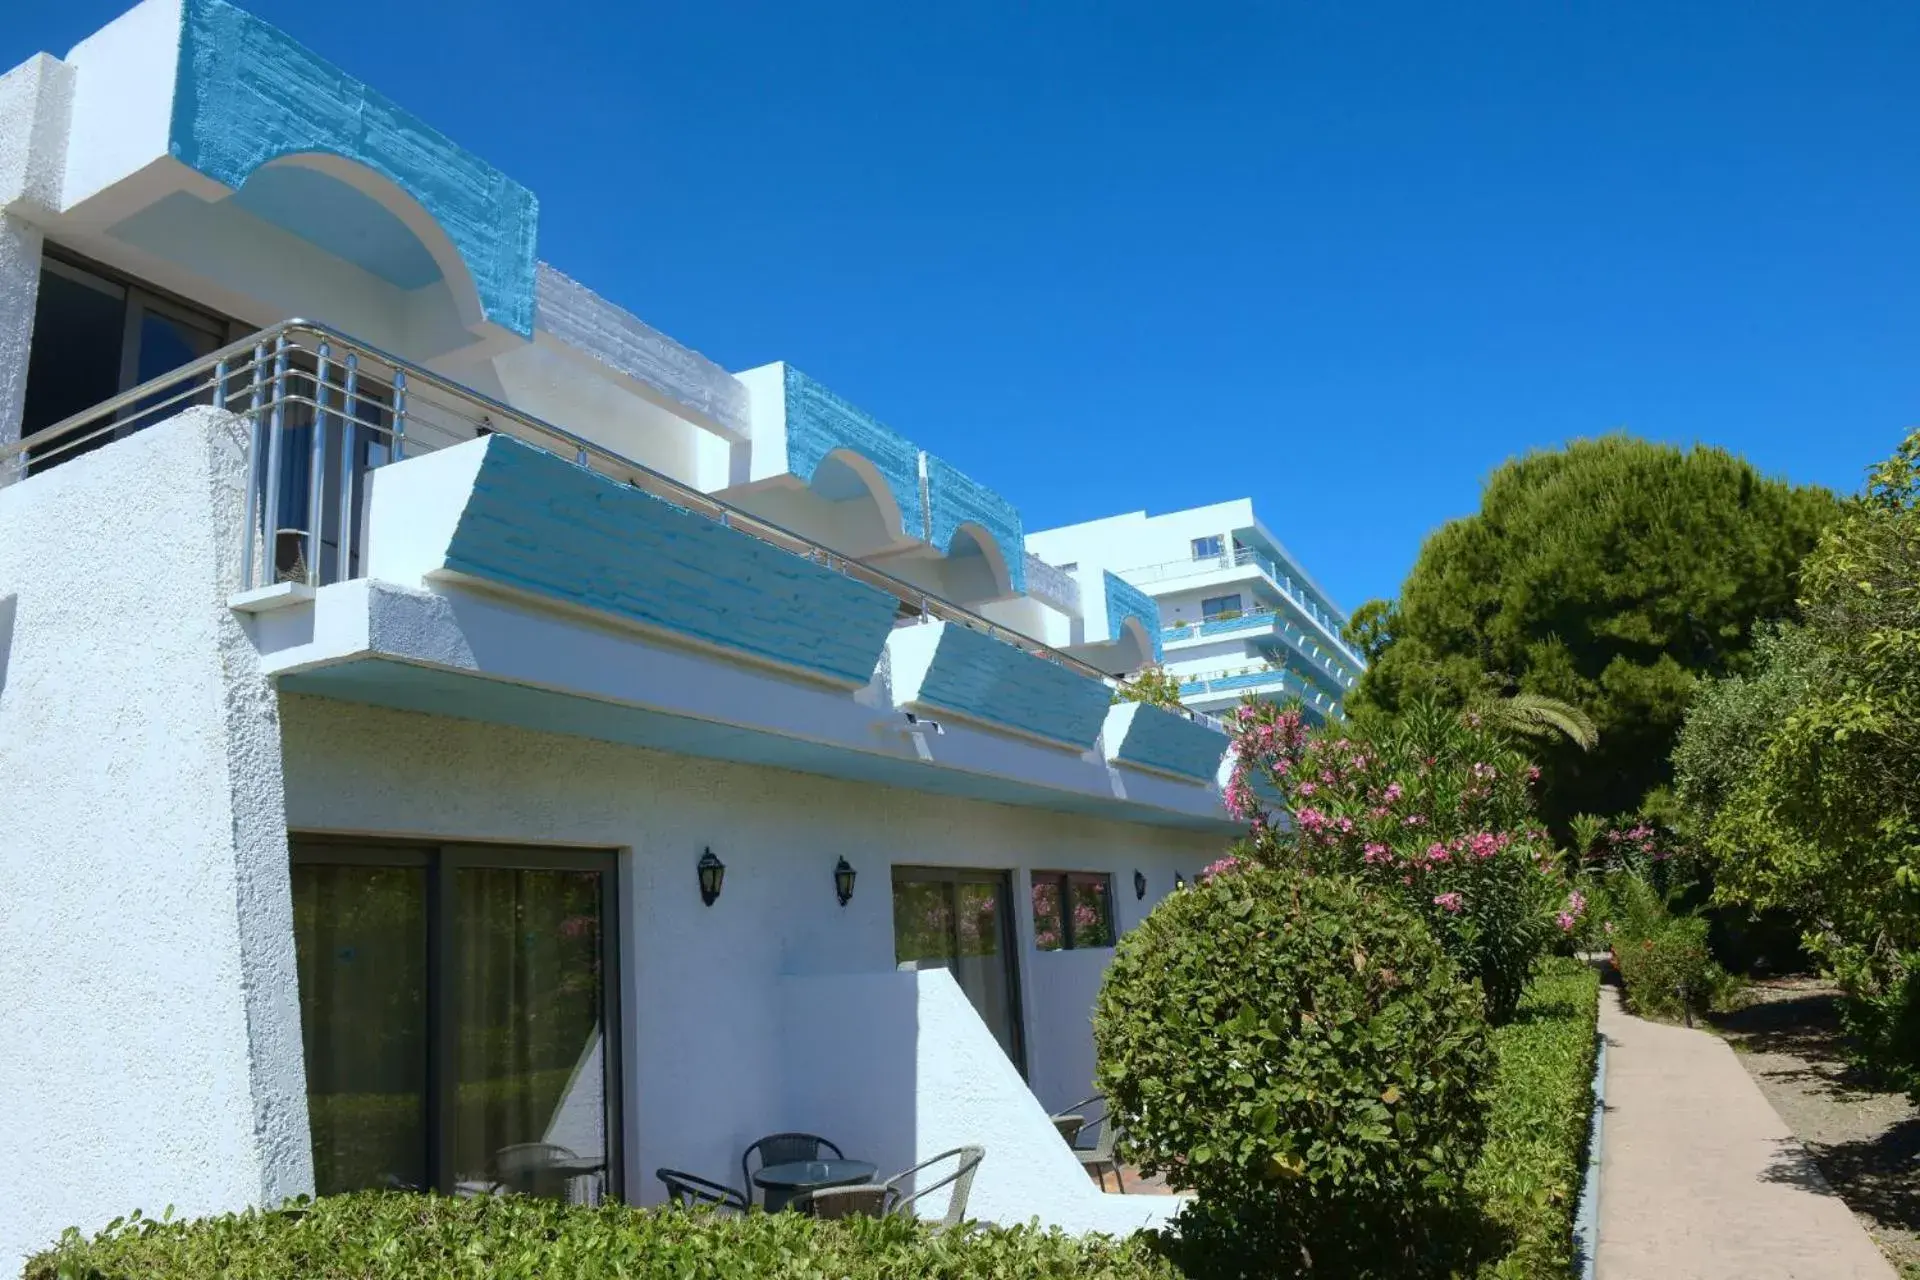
(1866, 1142)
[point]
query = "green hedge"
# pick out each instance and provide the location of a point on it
(396, 1236)
(1528, 1178)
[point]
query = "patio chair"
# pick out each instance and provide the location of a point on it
(869, 1201)
(685, 1190)
(783, 1148)
(961, 1179)
(1096, 1157)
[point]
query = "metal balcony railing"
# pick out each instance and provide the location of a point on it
(325, 409)
(1308, 647)
(1243, 680)
(1324, 620)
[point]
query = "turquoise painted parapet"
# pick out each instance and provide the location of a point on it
(955, 498)
(538, 523)
(818, 422)
(943, 665)
(1151, 737)
(246, 93)
(1124, 600)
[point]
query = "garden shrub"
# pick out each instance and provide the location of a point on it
(401, 1236)
(1298, 1050)
(1666, 968)
(1432, 806)
(1528, 1177)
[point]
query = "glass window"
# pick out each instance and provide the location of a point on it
(1208, 548)
(1220, 607)
(1072, 910)
(459, 1025)
(947, 918)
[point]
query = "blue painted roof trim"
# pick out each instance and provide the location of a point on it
(1124, 600)
(247, 93)
(976, 675)
(818, 422)
(954, 498)
(541, 524)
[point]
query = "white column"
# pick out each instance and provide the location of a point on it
(20, 244)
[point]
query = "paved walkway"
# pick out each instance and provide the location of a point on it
(1700, 1179)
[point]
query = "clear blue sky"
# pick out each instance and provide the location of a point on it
(1345, 258)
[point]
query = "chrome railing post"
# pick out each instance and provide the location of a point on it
(317, 464)
(349, 446)
(255, 463)
(399, 415)
(275, 429)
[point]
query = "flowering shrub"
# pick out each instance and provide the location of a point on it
(1433, 806)
(1300, 1051)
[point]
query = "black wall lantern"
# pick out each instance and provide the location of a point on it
(1179, 881)
(1139, 885)
(843, 882)
(713, 874)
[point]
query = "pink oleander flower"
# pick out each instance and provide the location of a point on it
(1393, 792)
(1220, 867)
(1437, 852)
(1485, 772)
(1484, 845)
(1307, 788)
(1310, 819)
(1449, 902)
(1346, 824)
(1533, 773)
(1565, 921)
(1577, 903)
(1414, 820)
(1375, 853)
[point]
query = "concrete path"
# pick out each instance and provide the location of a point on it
(1700, 1179)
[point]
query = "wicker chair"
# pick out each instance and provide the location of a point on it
(1096, 1157)
(527, 1168)
(685, 1190)
(897, 1195)
(783, 1148)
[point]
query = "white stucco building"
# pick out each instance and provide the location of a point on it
(441, 733)
(1239, 616)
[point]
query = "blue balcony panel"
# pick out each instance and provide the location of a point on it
(1123, 601)
(819, 422)
(540, 524)
(955, 499)
(945, 666)
(1139, 733)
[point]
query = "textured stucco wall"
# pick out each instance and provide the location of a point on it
(20, 244)
(246, 93)
(149, 1025)
(36, 102)
(901, 1065)
(626, 344)
(707, 1054)
(946, 666)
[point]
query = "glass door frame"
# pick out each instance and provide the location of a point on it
(1002, 882)
(440, 861)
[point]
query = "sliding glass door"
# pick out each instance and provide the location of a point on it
(459, 1009)
(962, 921)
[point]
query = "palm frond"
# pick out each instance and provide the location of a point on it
(1535, 715)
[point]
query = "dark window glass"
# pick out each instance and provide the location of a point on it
(947, 918)
(1220, 607)
(459, 1026)
(1208, 548)
(1072, 909)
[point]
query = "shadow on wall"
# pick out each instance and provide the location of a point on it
(9, 605)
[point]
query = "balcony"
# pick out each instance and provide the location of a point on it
(1325, 624)
(404, 540)
(1263, 625)
(1261, 680)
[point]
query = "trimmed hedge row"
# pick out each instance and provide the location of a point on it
(1528, 1177)
(399, 1236)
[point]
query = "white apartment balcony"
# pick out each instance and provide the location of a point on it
(1214, 691)
(1264, 627)
(1246, 564)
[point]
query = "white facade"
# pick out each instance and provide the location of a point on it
(487, 605)
(1239, 615)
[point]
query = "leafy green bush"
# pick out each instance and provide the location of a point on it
(1528, 1177)
(1297, 1049)
(1666, 969)
(396, 1236)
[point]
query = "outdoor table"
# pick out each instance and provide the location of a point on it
(782, 1182)
(574, 1170)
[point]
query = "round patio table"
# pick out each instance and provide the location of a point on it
(782, 1182)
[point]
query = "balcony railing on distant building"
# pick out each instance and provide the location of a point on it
(1225, 625)
(325, 409)
(1284, 582)
(1245, 680)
